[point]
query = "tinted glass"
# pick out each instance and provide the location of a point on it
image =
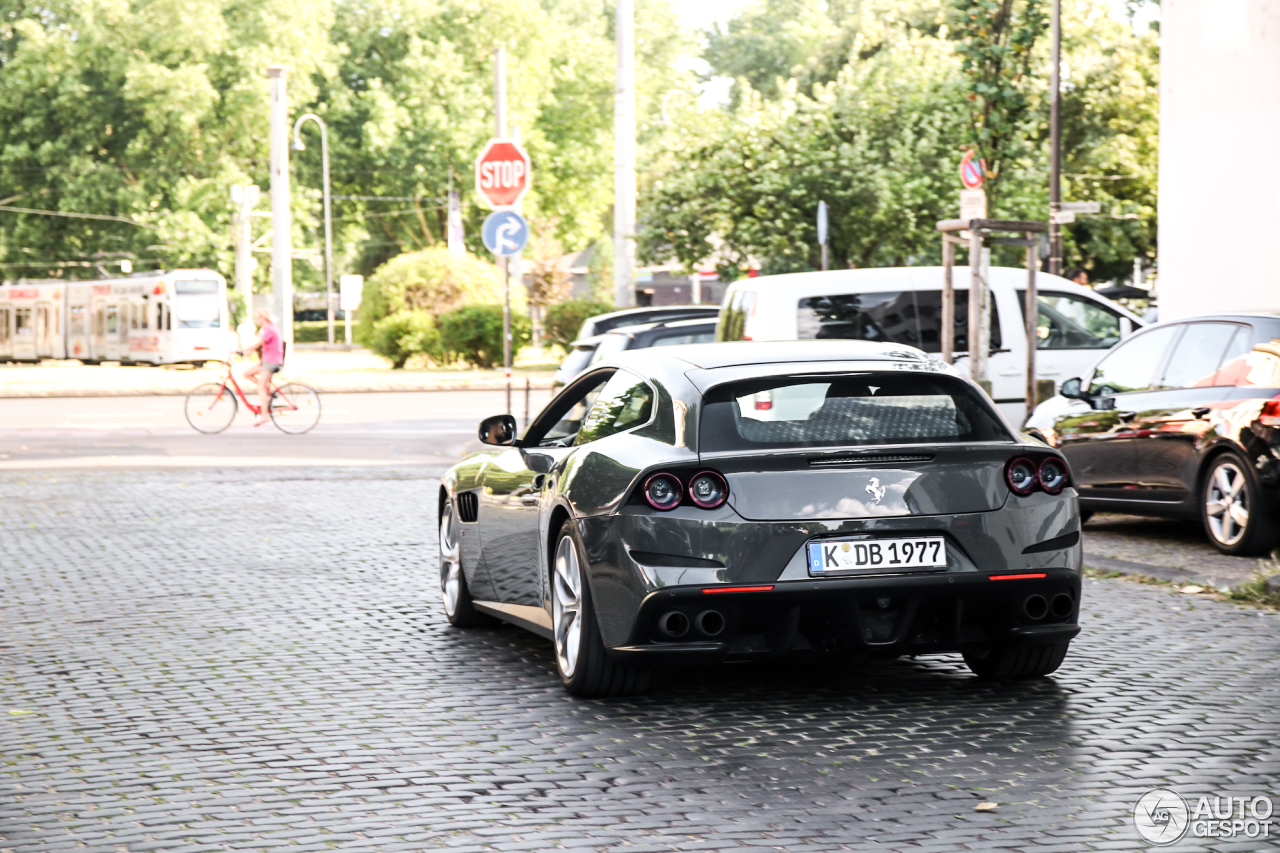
(1132, 365)
(862, 409)
(568, 424)
(637, 318)
(899, 317)
(1235, 367)
(198, 286)
(625, 402)
(1198, 354)
(677, 338)
(1073, 322)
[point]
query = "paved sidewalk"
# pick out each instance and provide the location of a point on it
(328, 370)
(208, 660)
(1168, 549)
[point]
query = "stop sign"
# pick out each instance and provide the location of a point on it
(502, 172)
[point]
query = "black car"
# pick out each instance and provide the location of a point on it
(745, 501)
(1180, 420)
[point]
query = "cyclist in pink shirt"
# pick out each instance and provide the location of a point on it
(271, 347)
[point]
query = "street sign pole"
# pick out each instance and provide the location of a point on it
(1055, 142)
(822, 232)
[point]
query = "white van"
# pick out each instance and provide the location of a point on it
(904, 305)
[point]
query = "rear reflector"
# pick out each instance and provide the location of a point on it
(1015, 577)
(744, 588)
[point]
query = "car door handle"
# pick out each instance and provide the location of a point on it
(1126, 416)
(1200, 412)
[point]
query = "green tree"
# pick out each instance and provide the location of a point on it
(431, 281)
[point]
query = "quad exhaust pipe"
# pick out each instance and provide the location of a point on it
(1063, 605)
(673, 624)
(1036, 607)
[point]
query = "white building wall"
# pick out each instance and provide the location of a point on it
(1219, 202)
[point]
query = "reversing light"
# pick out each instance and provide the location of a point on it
(708, 489)
(662, 491)
(1020, 473)
(1053, 475)
(1270, 413)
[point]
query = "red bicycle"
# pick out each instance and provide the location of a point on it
(210, 408)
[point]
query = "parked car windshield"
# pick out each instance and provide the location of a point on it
(845, 410)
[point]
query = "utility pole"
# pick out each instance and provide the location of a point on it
(328, 210)
(1055, 142)
(624, 157)
(281, 248)
(500, 132)
(245, 198)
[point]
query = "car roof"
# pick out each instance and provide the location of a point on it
(612, 318)
(683, 323)
(744, 353)
(800, 285)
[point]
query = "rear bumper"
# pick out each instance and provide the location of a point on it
(871, 617)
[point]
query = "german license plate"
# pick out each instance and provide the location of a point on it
(871, 556)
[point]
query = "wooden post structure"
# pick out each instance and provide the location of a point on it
(981, 232)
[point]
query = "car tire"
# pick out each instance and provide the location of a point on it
(454, 593)
(1233, 510)
(581, 661)
(1017, 664)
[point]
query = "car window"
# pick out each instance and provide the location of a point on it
(610, 345)
(1197, 355)
(577, 360)
(869, 408)
(1256, 366)
(1067, 321)
(678, 338)
(569, 422)
(1132, 365)
(733, 320)
(912, 317)
(625, 402)
(1246, 365)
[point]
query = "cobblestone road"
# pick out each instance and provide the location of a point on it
(254, 660)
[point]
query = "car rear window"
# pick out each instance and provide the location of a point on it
(912, 317)
(845, 410)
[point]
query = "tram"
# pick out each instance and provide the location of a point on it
(148, 318)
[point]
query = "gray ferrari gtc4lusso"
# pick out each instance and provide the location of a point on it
(743, 501)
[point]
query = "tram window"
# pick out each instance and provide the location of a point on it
(113, 320)
(133, 316)
(4, 325)
(22, 321)
(145, 309)
(75, 324)
(197, 304)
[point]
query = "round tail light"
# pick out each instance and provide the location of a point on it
(662, 491)
(1021, 476)
(708, 489)
(1053, 475)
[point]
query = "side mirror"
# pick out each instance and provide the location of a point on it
(1071, 389)
(498, 430)
(539, 463)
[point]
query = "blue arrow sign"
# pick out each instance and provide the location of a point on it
(505, 233)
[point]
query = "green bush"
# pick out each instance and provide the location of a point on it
(405, 334)
(432, 281)
(564, 320)
(473, 334)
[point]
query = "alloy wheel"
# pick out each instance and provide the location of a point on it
(450, 562)
(1226, 503)
(566, 606)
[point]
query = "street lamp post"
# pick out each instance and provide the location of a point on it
(328, 213)
(1055, 140)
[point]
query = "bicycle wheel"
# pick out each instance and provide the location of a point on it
(295, 408)
(211, 408)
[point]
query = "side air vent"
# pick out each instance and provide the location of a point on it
(468, 506)
(869, 459)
